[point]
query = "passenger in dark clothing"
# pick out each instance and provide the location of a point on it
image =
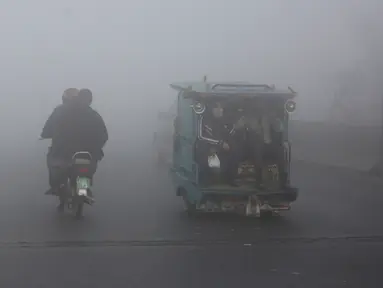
(255, 142)
(261, 134)
(214, 135)
(67, 96)
(73, 127)
(275, 150)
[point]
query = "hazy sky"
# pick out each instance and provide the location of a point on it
(129, 51)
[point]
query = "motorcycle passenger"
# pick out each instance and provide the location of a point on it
(73, 126)
(215, 135)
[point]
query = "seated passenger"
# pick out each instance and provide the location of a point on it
(274, 149)
(260, 131)
(214, 135)
(248, 130)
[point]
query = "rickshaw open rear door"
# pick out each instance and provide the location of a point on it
(184, 140)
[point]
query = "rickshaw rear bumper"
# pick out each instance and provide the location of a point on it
(252, 202)
(288, 194)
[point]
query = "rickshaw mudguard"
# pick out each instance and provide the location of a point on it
(185, 187)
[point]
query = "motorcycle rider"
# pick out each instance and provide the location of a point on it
(68, 94)
(73, 126)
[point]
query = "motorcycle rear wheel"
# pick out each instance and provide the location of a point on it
(78, 207)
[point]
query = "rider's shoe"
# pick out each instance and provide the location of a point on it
(60, 207)
(51, 191)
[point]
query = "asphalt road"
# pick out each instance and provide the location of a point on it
(136, 235)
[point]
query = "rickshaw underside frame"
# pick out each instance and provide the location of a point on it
(247, 201)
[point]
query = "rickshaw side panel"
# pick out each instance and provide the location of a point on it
(183, 157)
(183, 185)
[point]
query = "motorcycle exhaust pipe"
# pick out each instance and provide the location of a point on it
(84, 193)
(89, 200)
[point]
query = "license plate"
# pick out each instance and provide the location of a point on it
(83, 183)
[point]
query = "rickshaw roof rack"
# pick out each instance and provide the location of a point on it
(219, 89)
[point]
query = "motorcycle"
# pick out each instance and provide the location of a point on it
(76, 190)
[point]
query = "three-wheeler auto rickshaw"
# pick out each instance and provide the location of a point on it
(269, 194)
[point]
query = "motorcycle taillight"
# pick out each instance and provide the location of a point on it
(83, 170)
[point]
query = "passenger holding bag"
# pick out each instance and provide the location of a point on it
(216, 142)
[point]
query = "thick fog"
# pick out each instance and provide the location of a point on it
(128, 52)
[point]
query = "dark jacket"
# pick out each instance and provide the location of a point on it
(74, 128)
(214, 130)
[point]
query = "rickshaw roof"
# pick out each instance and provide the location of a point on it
(233, 89)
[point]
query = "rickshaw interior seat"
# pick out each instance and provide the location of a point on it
(244, 178)
(246, 173)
